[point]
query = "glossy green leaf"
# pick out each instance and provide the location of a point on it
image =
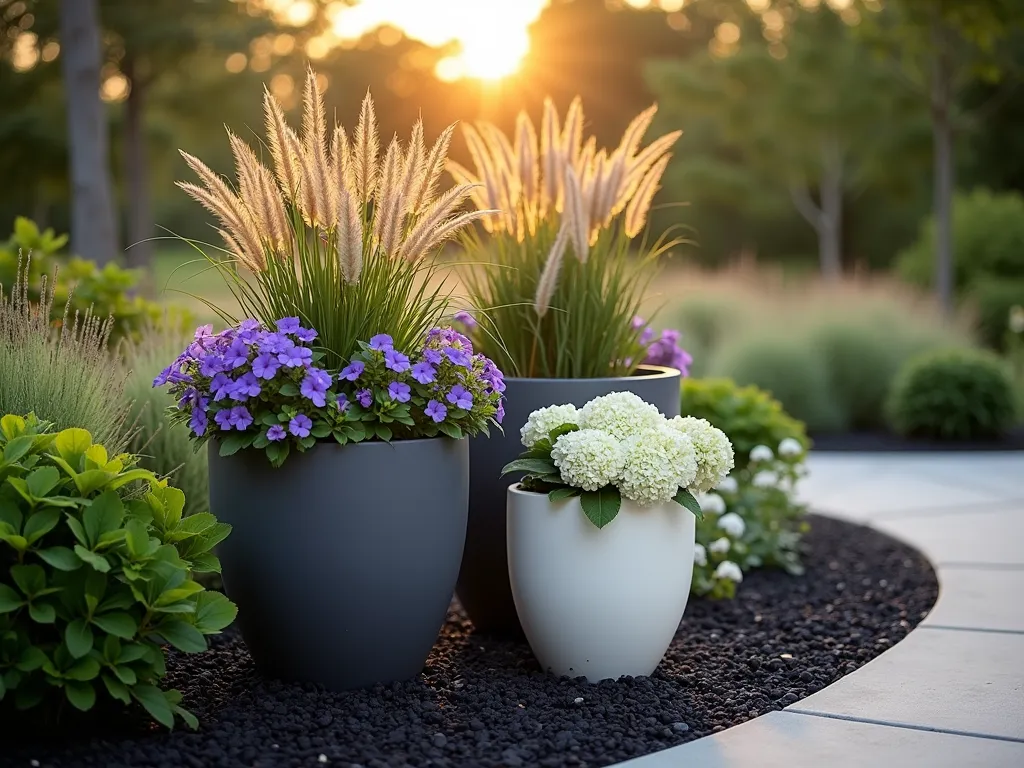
(131, 476)
(31, 579)
(9, 599)
(76, 528)
(214, 612)
(117, 623)
(104, 515)
(78, 638)
(182, 635)
(117, 689)
(12, 426)
(601, 507)
(81, 695)
(72, 444)
(43, 480)
(18, 447)
(531, 466)
(42, 613)
(98, 562)
(565, 492)
(61, 558)
(126, 674)
(84, 669)
(155, 702)
(188, 717)
(41, 523)
(686, 499)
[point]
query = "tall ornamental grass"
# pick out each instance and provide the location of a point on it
(554, 282)
(337, 232)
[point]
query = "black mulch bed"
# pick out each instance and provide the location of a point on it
(486, 703)
(887, 442)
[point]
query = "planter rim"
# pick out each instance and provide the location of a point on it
(390, 444)
(651, 373)
(515, 488)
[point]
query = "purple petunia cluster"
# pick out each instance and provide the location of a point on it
(665, 349)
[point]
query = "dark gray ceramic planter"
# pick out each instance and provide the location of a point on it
(344, 560)
(484, 588)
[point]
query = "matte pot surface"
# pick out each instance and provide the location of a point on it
(483, 586)
(343, 561)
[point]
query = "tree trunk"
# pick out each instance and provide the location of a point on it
(136, 169)
(93, 230)
(831, 193)
(942, 133)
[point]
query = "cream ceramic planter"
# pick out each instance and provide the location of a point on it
(598, 603)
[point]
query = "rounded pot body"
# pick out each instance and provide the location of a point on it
(483, 585)
(598, 603)
(343, 561)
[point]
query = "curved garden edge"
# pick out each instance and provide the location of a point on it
(949, 692)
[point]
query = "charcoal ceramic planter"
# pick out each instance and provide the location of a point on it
(343, 561)
(483, 587)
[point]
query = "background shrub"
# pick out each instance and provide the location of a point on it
(992, 299)
(953, 395)
(96, 577)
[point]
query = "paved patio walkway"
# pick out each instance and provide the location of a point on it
(952, 692)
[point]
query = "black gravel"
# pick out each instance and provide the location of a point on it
(486, 703)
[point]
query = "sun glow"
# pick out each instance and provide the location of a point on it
(491, 35)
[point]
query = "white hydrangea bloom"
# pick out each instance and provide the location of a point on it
(700, 555)
(765, 479)
(728, 485)
(761, 453)
(732, 524)
(658, 462)
(620, 414)
(719, 546)
(727, 569)
(588, 459)
(711, 503)
(790, 447)
(715, 457)
(542, 421)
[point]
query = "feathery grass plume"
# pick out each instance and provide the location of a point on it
(64, 374)
(359, 236)
(540, 312)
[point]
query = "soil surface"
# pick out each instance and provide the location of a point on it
(485, 703)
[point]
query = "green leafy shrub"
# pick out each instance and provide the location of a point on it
(993, 298)
(988, 240)
(748, 415)
(94, 577)
(952, 395)
(107, 290)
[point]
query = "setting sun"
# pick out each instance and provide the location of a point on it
(491, 34)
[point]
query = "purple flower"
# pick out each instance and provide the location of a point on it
(462, 316)
(265, 366)
(424, 373)
(300, 425)
(248, 330)
(460, 397)
(365, 397)
(353, 370)
(381, 342)
(432, 356)
(306, 334)
(246, 387)
(237, 355)
(457, 356)
(314, 386)
(223, 419)
(666, 351)
(275, 433)
(198, 422)
(203, 332)
(396, 361)
(211, 365)
(342, 402)
(499, 416)
(187, 397)
(288, 324)
(275, 343)
(240, 418)
(221, 387)
(437, 411)
(163, 376)
(295, 357)
(648, 333)
(399, 391)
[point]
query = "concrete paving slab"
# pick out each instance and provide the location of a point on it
(990, 537)
(979, 599)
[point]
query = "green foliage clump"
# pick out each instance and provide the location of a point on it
(105, 290)
(749, 416)
(952, 395)
(993, 299)
(163, 446)
(988, 240)
(96, 575)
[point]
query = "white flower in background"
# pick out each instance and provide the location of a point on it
(727, 569)
(728, 485)
(715, 457)
(732, 524)
(542, 421)
(766, 479)
(620, 414)
(711, 503)
(719, 546)
(790, 447)
(700, 555)
(658, 462)
(761, 453)
(588, 459)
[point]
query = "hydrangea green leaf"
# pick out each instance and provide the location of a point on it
(602, 506)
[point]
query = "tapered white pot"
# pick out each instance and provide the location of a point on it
(598, 603)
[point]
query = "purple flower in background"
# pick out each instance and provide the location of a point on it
(365, 397)
(314, 386)
(265, 365)
(223, 419)
(275, 343)
(424, 373)
(437, 411)
(460, 397)
(288, 324)
(648, 333)
(396, 361)
(221, 387)
(240, 418)
(353, 370)
(432, 356)
(211, 365)
(382, 342)
(399, 391)
(198, 422)
(342, 402)
(300, 425)
(246, 387)
(499, 416)
(462, 316)
(295, 357)
(306, 334)
(666, 351)
(275, 433)
(457, 356)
